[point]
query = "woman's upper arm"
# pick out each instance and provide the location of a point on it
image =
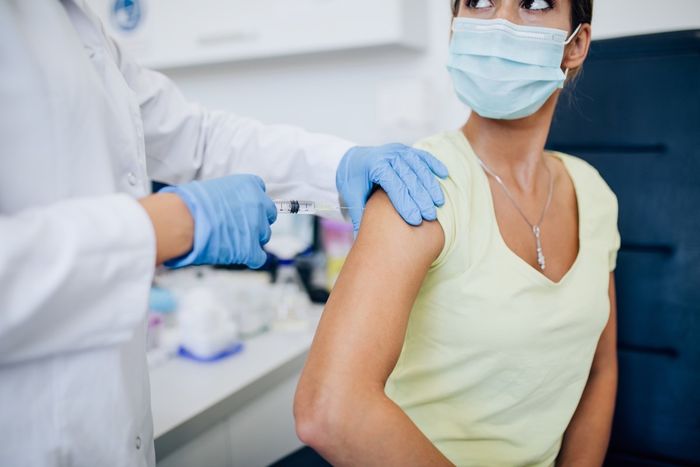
(362, 329)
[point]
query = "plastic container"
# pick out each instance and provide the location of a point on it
(162, 302)
(337, 238)
(292, 301)
(207, 330)
(155, 330)
(248, 296)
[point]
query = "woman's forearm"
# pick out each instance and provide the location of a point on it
(365, 428)
(587, 437)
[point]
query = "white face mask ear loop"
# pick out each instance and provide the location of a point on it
(573, 35)
(567, 42)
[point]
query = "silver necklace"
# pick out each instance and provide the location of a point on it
(536, 228)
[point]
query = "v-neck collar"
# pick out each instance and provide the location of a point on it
(519, 262)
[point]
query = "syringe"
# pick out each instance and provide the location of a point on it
(304, 207)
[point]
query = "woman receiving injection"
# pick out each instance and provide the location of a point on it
(487, 337)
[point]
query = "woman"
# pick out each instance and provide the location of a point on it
(487, 337)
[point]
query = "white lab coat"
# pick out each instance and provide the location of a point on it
(82, 131)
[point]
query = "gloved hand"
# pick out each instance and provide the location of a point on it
(406, 174)
(232, 218)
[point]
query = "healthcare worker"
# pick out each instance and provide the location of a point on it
(82, 131)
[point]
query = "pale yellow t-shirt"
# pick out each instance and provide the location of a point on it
(496, 356)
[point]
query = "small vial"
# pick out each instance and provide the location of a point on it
(296, 207)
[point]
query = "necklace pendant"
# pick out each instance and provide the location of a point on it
(541, 260)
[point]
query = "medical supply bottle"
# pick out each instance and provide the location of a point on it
(292, 301)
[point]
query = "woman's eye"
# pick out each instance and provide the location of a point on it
(478, 4)
(537, 5)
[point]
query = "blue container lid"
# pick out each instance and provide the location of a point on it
(161, 301)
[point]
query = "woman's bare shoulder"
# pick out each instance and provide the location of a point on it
(383, 229)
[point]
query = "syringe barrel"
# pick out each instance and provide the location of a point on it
(295, 207)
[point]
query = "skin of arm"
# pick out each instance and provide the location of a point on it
(172, 223)
(340, 407)
(586, 439)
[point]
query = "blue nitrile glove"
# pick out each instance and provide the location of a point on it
(406, 174)
(232, 218)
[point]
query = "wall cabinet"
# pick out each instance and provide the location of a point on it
(179, 33)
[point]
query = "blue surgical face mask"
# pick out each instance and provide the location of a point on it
(505, 71)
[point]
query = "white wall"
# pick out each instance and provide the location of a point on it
(614, 18)
(338, 93)
(351, 94)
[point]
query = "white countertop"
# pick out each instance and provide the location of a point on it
(187, 397)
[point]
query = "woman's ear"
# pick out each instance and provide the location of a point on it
(577, 51)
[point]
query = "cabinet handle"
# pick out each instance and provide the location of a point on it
(228, 37)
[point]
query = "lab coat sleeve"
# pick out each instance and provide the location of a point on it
(74, 275)
(185, 141)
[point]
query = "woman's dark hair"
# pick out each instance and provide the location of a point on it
(581, 11)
